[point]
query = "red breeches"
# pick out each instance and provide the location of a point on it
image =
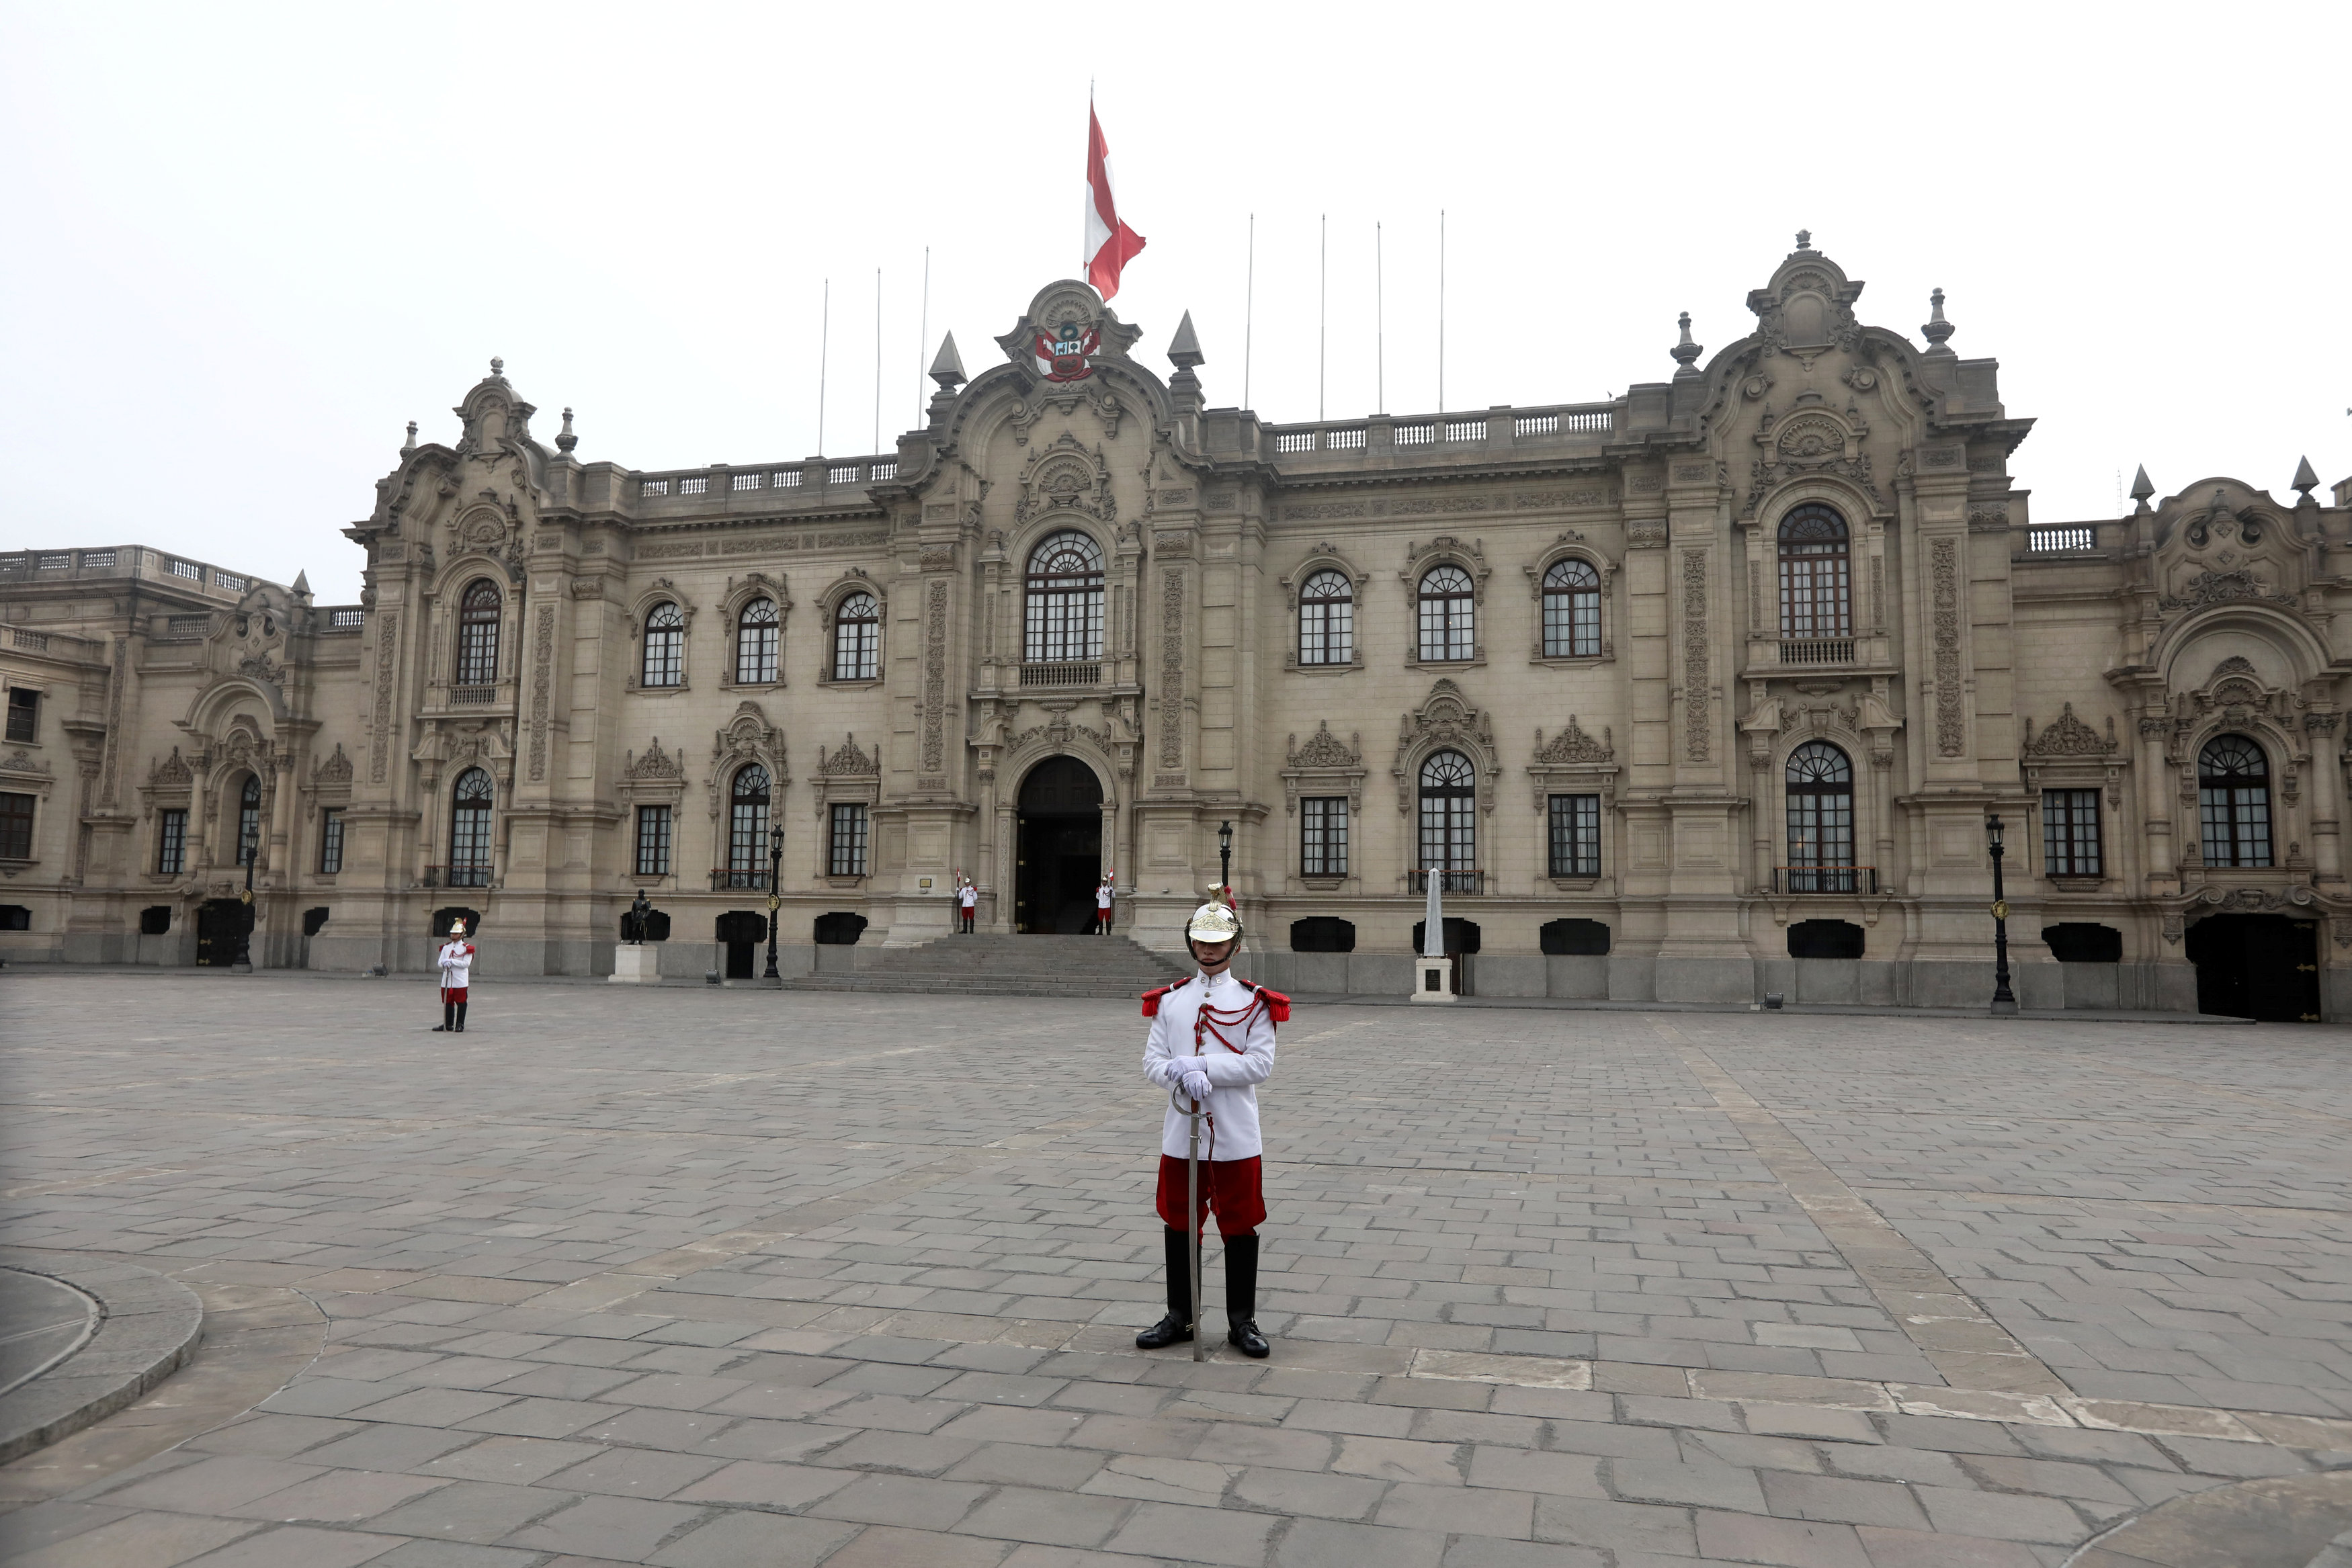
(1231, 1189)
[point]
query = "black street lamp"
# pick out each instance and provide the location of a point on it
(244, 963)
(1226, 859)
(2004, 1005)
(775, 902)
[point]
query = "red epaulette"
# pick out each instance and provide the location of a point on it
(1152, 998)
(1277, 1006)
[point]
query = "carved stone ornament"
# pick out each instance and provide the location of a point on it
(1445, 720)
(655, 764)
(747, 738)
(1573, 762)
(172, 773)
(1572, 745)
(846, 760)
(1323, 749)
(1064, 477)
(335, 769)
(2211, 588)
(1324, 766)
(2070, 737)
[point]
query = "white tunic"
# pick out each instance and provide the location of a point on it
(967, 896)
(456, 963)
(1232, 1094)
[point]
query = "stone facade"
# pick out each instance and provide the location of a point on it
(1807, 553)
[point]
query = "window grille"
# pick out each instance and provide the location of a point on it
(858, 639)
(665, 660)
(172, 842)
(1064, 607)
(652, 840)
(2233, 799)
(1446, 610)
(747, 826)
(755, 642)
(1576, 835)
(1572, 611)
(478, 633)
(2069, 832)
(1323, 836)
(1819, 782)
(1327, 620)
(849, 846)
(331, 840)
(469, 830)
(1816, 586)
(1449, 813)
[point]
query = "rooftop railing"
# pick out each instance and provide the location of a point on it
(1544, 429)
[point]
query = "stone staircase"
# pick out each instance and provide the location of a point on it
(994, 966)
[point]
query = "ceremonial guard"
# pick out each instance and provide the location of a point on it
(1212, 1043)
(457, 966)
(1105, 896)
(966, 905)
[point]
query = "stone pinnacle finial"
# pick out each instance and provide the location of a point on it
(2305, 481)
(1937, 328)
(1184, 348)
(302, 585)
(2141, 489)
(1804, 239)
(947, 368)
(410, 445)
(566, 441)
(1685, 352)
(497, 366)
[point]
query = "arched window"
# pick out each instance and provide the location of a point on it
(755, 644)
(478, 633)
(858, 639)
(1816, 575)
(1572, 611)
(2234, 798)
(249, 821)
(1065, 609)
(747, 828)
(665, 663)
(469, 830)
(1445, 613)
(1449, 810)
(1820, 819)
(1327, 620)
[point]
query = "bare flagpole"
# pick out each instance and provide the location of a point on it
(1249, 309)
(877, 362)
(1441, 310)
(823, 349)
(1322, 313)
(1380, 323)
(922, 334)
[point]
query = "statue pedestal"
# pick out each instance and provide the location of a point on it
(636, 966)
(1433, 981)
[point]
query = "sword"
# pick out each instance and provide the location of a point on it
(1192, 1216)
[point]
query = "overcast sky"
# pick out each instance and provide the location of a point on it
(247, 245)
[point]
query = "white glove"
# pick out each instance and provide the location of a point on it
(1196, 1084)
(1179, 1065)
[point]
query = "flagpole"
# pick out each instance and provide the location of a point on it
(1380, 323)
(877, 362)
(1441, 310)
(823, 349)
(1249, 309)
(922, 334)
(1322, 314)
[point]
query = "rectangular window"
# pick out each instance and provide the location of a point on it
(1323, 836)
(2069, 832)
(849, 858)
(331, 840)
(15, 827)
(24, 714)
(652, 840)
(1576, 835)
(172, 844)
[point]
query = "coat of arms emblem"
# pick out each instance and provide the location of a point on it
(1063, 351)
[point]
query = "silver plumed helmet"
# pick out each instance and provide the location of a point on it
(1213, 922)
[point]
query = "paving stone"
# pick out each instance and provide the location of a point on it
(880, 1546)
(1319, 1543)
(1795, 1543)
(913, 1501)
(339, 1497)
(138, 1541)
(1302, 1492)
(1205, 1535)
(754, 1540)
(1701, 1485)
(1048, 1517)
(480, 1512)
(299, 1546)
(1479, 1510)
(624, 1527)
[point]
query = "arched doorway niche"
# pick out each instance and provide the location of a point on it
(1057, 846)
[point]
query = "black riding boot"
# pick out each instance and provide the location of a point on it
(448, 1018)
(1241, 1296)
(461, 1018)
(1176, 1328)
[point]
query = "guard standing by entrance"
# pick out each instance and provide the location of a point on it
(966, 905)
(1105, 896)
(1212, 1043)
(456, 968)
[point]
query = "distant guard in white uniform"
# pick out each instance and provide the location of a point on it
(1212, 1043)
(456, 968)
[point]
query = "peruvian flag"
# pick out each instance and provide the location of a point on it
(1110, 244)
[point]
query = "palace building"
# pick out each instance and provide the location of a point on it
(1703, 692)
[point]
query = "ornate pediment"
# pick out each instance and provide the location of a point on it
(2070, 737)
(1572, 745)
(1446, 718)
(1323, 749)
(22, 762)
(1064, 477)
(172, 773)
(335, 769)
(655, 766)
(847, 760)
(2206, 589)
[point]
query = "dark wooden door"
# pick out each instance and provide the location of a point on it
(221, 923)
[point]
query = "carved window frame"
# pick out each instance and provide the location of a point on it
(1574, 548)
(739, 597)
(855, 787)
(662, 590)
(1106, 554)
(1325, 557)
(2076, 770)
(444, 603)
(1596, 776)
(1860, 796)
(1420, 559)
(837, 592)
(1300, 780)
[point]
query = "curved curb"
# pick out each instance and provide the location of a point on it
(2274, 1522)
(148, 1328)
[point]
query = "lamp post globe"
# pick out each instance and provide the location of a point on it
(2004, 1003)
(775, 903)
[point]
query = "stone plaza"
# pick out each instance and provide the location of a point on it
(694, 1277)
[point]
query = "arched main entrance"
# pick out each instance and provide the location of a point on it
(1060, 848)
(2262, 966)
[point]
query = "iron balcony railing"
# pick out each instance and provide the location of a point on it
(1817, 651)
(724, 881)
(1468, 883)
(1825, 879)
(457, 875)
(1060, 674)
